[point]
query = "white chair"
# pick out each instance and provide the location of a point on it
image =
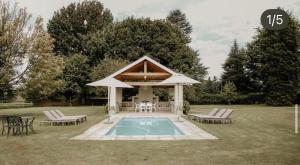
(142, 107)
(136, 108)
(154, 107)
(149, 107)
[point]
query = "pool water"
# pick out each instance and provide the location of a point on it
(144, 126)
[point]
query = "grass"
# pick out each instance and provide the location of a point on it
(258, 135)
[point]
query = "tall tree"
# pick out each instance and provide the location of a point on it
(212, 86)
(76, 75)
(14, 45)
(298, 42)
(234, 69)
(275, 63)
(107, 66)
(178, 18)
(133, 38)
(42, 76)
(72, 26)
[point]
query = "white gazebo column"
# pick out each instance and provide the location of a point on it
(171, 94)
(176, 100)
(119, 95)
(112, 100)
(180, 99)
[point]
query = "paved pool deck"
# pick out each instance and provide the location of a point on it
(191, 132)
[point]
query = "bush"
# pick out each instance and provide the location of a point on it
(250, 98)
(229, 92)
(297, 100)
(186, 107)
(210, 99)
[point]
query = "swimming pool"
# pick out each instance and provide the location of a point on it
(140, 126)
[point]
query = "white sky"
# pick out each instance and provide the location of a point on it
(216, 23)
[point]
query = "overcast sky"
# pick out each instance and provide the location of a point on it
(216, 23)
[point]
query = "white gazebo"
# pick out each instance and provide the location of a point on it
(142, 77)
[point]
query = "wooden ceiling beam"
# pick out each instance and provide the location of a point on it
(145, 74)
(145, 84)
(145, 67)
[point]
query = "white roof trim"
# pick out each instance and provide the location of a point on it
(140, 60)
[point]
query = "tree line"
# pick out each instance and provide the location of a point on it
(83, 43)
(269, 65)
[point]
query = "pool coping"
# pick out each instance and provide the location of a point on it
(191, 131)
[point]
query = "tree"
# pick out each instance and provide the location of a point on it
(76, 76)
(72, 26)
(42, 77)
(14, 46)
(107, 66)
(234, 69)
(178, 18)
(275, 63)
(212, 86)
(298, 43)
(133, 38)
(229, 93)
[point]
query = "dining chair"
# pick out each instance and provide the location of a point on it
(149, 107)
(136, 108)
(4, 123)
(142, 107)
(154, 107)
(18, 125)
(9, 123)
(28, 124)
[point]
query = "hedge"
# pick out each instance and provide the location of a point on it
(251, 98)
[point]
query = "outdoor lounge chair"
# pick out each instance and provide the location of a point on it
(225, 118)
(218, 114)
(54, 114)
(81, 118)
(211, 113)
(52, 119)
(57, 116)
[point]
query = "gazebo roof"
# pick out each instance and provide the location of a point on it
(144, 72)
(109, 82)
(141, 60)
(179, 79)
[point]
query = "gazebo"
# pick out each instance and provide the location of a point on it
(145, 75)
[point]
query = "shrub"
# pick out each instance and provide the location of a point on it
(250, 98)
(211, 99)
(229, 92)
(186, 107)
(297, 100)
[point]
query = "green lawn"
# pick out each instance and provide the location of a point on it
(258, 135)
